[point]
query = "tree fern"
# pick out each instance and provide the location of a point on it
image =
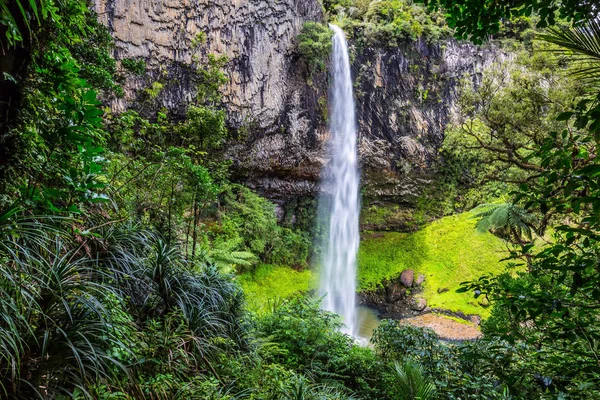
(227, 259)
(507, 218)
(411, 383)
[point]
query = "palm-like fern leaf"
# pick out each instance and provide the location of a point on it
(227, 259)
(583, 44)
(411, 382)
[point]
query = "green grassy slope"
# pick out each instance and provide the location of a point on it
(268, 284)
(447, 252)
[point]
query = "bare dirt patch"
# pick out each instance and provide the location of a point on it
(445, 328)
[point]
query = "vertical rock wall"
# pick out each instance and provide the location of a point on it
(405, 95)
(257, 36)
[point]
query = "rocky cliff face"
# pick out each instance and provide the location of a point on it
(266, 95)
(405, 96)
(257, 36)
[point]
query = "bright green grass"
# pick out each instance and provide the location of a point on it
(269, 284)
(448, 251)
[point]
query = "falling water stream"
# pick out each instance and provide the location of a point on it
(340, 181)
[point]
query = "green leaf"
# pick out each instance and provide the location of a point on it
(565, 116)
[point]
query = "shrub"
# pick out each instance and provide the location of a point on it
(315, 45)
(249, 223)
(308, 337)
(460, 371)
(137, 67)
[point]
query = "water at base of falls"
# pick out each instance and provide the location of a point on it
(367, 320)
(340, 183)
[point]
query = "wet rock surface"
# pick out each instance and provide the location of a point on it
(420, 279)
(448, 325)
(392, 301)
(418, 304)
(407, 277)
(401, 299)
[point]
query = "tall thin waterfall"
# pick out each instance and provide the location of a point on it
(340, 181)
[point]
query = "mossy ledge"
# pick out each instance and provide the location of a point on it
(447, 252)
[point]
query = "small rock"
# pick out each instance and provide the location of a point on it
(442, 290)
(394, 292)
(418, 304)
(475, 319)
(407, 277)
(420, 280)
(483, 302)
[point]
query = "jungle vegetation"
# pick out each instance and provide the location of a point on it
(123, 239)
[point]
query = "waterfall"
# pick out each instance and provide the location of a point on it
(340, 182)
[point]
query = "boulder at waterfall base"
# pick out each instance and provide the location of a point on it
(420, 279)
(407, 277)
(418, 304)
(394, 291)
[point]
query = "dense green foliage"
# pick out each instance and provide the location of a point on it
(83, 313)
(488, 149)
(54, 151)
(315, 45)
(505, 219)
(96, 302)
(478, 20)
(125, 250)
(552, 306)
(387, 22)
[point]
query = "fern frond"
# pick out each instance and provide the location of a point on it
(582, 44)
(504, 216)
(411, 382)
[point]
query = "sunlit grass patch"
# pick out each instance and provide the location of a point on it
(448, 251)
(269, 284)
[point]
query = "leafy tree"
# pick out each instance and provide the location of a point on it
(17, 17)
(489, 149)
(249, 224)
(391, 21)
(331, 5)
(478, 20)
(314, 45)
(553, 308)
(52, 153)
(204, 128)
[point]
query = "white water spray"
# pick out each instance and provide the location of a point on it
(340, 180)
